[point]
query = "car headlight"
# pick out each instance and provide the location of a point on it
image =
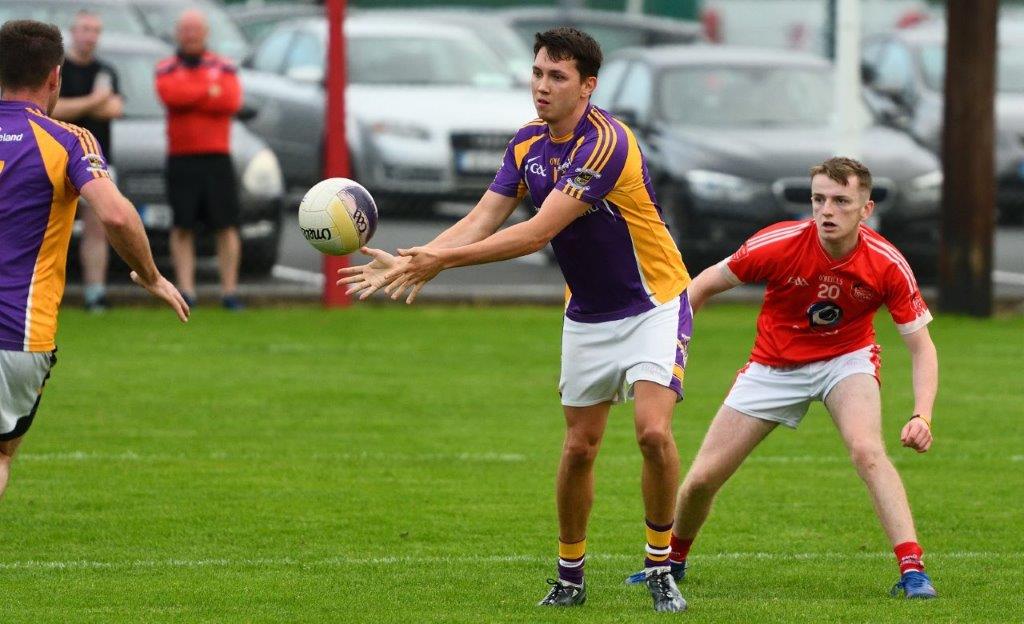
(401, 130)
(716, 186)
(925, 189)
(262, 176)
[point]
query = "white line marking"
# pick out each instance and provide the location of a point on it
(132, 456)
(1008, 277)
(339, 562)
(297, 275)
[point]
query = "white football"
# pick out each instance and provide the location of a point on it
(337, 216)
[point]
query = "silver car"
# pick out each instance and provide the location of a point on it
(139, 145)
(429, 108)
(906, 70)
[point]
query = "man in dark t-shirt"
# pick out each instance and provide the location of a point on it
(90, 98)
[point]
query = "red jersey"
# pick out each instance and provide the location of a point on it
(817, 307)
(201, 100)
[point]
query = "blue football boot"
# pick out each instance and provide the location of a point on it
(914, 584)
(678, 572)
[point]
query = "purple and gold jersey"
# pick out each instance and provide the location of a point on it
(618, 258)
(43, 165)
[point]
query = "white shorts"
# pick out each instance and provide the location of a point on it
(22, 376)
(602, 361)
(782, 394)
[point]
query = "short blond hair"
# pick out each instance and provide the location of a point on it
(841, 168)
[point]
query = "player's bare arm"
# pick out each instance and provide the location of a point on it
(711, 281)
(557, 212)
(917, 433)
(487, 216)
(128, 238)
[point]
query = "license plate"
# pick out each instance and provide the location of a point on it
(156, 216)
(478, 161)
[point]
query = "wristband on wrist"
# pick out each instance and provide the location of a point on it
(927, 422)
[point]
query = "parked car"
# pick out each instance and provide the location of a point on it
(907, 68)
(256, 20)
(493, 31)
(62, 13)
(429, 108)
(612, 29)
(161, 16)
(156, 18)
(139, 145)
(731, 133)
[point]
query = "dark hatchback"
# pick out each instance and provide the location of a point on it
(731, 133)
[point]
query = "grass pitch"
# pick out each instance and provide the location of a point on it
(392, 464)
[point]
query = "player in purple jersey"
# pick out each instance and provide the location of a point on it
(627, 321)
(45, 165)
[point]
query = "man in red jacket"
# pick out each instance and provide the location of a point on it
(201, 93)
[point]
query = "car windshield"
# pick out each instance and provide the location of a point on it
(135, 77)
(225, 38)
(746, 96)
(1009, 67)
(115, 19)
(424, 60)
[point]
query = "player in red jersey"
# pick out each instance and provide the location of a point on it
(826, 277)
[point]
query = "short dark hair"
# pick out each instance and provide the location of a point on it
(840, 169)
(568, 43)
(29, 51)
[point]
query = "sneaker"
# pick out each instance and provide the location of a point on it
(678, 572)
(564, 594)
(190, 300)
(232, 302)
(914, 584)
(664, 591)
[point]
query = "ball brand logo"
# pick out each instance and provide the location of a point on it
(359, 218)
(317, 233)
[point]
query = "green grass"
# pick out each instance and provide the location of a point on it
(392, 464)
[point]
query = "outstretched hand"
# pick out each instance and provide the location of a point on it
(917, 434)
(368, 278)
(422, 265)
(162, 289)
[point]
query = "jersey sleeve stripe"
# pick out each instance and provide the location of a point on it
(727, 273)
(601, 141)
(775, 239)
(613, 139)
(572, 155)
(914, 325)
(792, 228)
(896, 260)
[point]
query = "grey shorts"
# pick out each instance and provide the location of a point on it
(22, 377)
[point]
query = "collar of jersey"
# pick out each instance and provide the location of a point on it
(21, 104)
(568, 137)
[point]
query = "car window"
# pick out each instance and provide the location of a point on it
(635, 94)
(747, 96)
(1009, 68)
(269, 56)
(225, 38)
(306, 55)
(895, 69)
(115, 19)
(608, 82)
(135, 79)
(426, 60)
